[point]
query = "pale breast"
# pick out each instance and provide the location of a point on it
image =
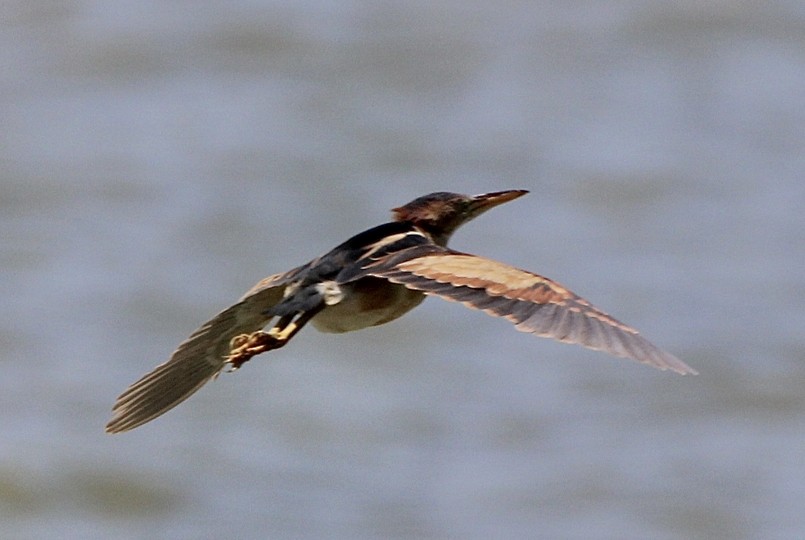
(367, 302)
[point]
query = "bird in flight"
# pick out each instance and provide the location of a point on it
(374, 278)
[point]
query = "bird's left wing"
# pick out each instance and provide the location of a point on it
(534, 304)
(198, 359)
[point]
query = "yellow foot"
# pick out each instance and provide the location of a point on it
(244, 346)
(285, 334)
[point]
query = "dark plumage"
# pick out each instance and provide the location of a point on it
(373, 278)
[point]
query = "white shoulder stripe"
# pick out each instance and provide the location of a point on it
(389, 240)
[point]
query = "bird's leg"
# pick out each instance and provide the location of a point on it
(244, 346)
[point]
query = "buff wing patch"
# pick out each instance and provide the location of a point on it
(534, 304)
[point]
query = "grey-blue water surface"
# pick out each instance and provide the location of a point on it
(158, 158)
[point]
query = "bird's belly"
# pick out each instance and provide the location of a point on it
(367, 302)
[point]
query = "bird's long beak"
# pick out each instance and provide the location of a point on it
(485, 201)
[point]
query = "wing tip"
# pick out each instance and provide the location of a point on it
(680, 367)
(158, 392)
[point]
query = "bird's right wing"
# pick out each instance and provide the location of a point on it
(534, 304)
(198, 359)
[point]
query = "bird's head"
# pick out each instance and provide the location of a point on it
(440, 214)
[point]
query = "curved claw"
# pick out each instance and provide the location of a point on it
(244, 346)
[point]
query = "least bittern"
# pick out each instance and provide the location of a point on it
(373, 278)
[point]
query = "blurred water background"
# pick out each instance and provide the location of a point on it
(158, 158)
